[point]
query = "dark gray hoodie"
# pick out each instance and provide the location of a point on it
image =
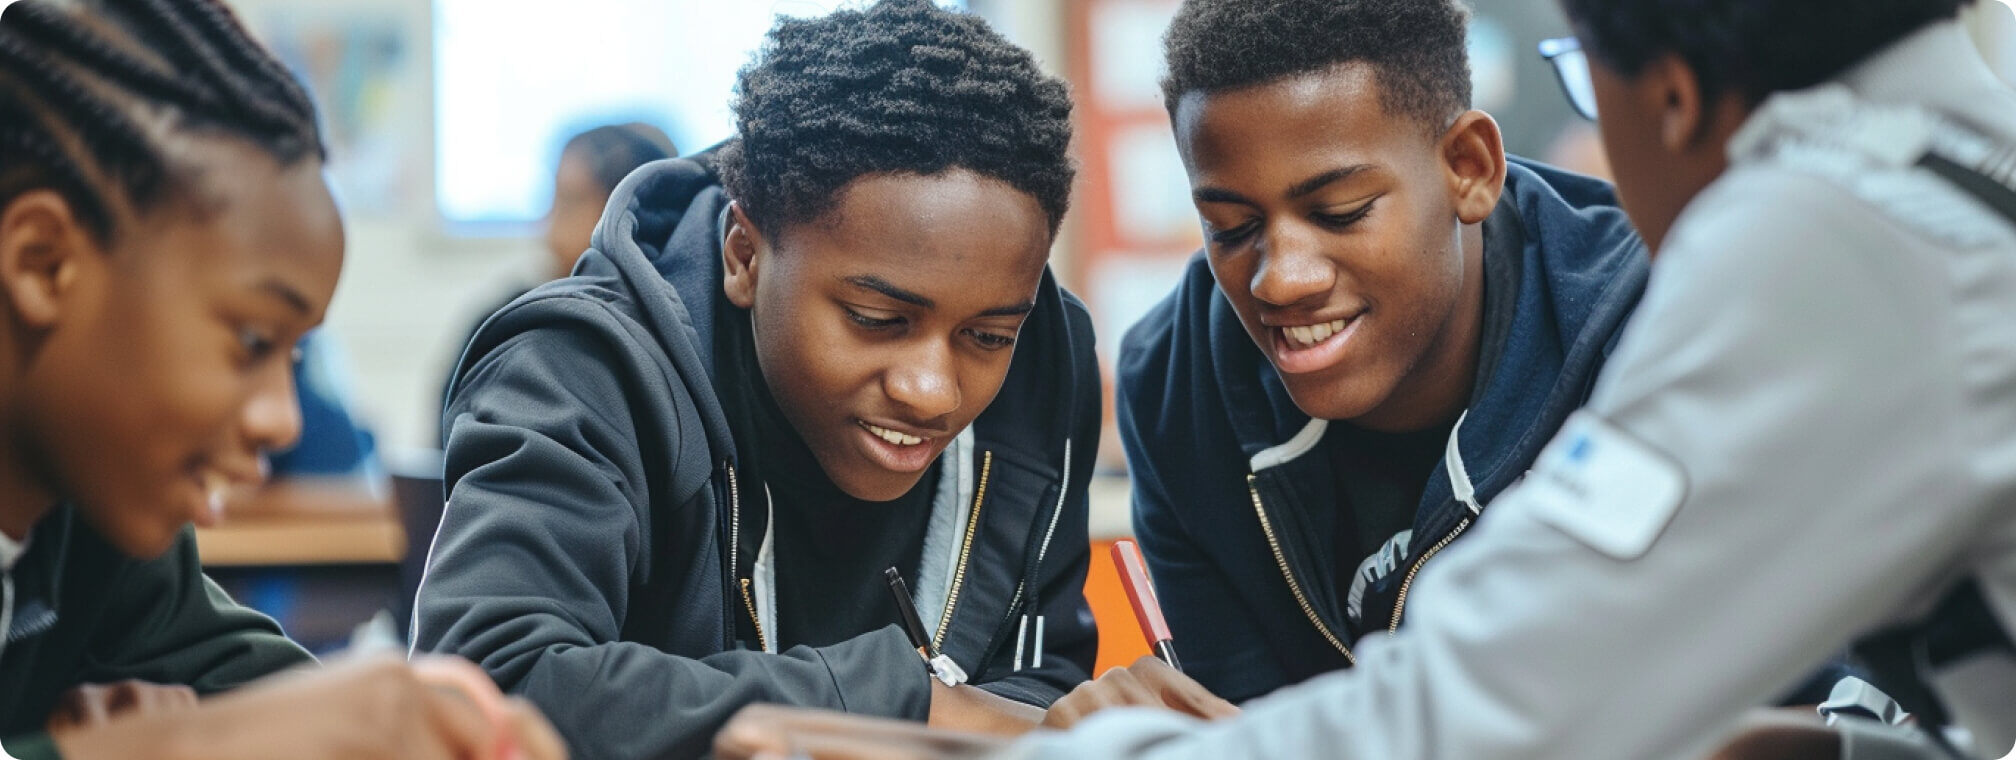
(587, 555)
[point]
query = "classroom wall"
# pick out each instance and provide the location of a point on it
(410, 290)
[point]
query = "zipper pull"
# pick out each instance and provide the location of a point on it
(941, 665)
(1036, 660)
(946, 671)
(1021, 635)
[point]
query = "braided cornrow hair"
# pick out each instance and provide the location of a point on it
(902, 86)
(80, 85)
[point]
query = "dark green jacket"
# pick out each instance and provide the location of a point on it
(85, 613)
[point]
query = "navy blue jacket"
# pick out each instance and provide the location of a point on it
(1237, 517)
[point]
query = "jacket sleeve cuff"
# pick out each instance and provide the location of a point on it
(1027, 691)
(36, 746)
(879, 674)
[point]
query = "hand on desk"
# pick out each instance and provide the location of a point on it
(781, 733)
(362, 710)
(1780, 734)
(972, 709)
(93, 704)
(771, 732)
(1148, 682)
(965, 721)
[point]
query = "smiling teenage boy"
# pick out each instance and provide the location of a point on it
(1388, 320)
(829, 348)
(1807, 438)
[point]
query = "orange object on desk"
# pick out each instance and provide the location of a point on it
(1120, 640)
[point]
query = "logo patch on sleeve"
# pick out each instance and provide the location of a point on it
(1604, 488)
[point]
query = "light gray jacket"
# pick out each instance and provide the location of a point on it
(1808, 433)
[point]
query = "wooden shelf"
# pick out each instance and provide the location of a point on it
(302, 543)
(305, 523)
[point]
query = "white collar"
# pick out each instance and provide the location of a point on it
(11, 551)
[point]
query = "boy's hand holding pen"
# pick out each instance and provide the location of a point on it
(1155, 681)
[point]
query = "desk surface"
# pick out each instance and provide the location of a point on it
(305, 523)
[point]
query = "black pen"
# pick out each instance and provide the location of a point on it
(941, 667)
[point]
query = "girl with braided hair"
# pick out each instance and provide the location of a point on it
(828, 348)
(166, 236)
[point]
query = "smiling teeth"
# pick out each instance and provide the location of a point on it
(893, 436)
(1306, 336)
(215, 487)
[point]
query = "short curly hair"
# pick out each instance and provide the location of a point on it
(1749, 47)
(1416, 49)
(901, 87)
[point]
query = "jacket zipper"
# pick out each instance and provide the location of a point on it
(1294, 586)
(734, 523)
(734, 554)
(1400, 599)
(965, 551)
(749, 601)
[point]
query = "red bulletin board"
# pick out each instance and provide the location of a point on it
(1134, 223)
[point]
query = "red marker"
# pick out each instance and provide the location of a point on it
(1141, 593)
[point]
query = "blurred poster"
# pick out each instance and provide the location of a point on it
(1152, 206)
(1135, 222)
(1127, 52)
(361, 69)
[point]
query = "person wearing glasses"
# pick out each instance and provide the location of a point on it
(1388, 320)
(1806, 438)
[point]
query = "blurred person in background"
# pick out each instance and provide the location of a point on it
(590, 166)
(591, 163)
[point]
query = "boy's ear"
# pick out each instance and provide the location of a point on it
(1671, 86)
(42, 247)
(1473, 158)
(739, 256)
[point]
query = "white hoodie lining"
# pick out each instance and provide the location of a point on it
(1275, 456)
(765, 580)
(951, 508)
